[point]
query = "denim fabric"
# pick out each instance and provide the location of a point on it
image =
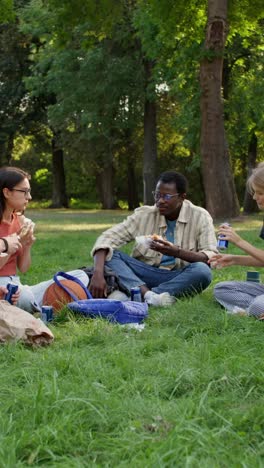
(185, 281)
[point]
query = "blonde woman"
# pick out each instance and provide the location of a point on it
(243, 295)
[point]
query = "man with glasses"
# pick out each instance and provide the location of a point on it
(173, 265)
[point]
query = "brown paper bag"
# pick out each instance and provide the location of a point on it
(16, 324)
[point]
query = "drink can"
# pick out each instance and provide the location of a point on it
(46, 314)
(136, 294)
(222, 244)
(253, 276)
(12, 288)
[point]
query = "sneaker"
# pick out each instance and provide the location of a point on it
(159, 300)
(118, 296)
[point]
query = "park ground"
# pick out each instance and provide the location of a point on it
(186, 391)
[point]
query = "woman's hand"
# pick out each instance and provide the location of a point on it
(228, 233)
(14, 244)
(15, 297)
(4, 291)
(27, 237)
(221, 260)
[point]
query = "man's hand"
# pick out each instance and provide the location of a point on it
(4, 291)
(98, 286)
(165, 247)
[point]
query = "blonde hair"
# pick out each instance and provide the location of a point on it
(256, 180)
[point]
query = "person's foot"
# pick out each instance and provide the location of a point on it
(159, 300)
(118, 296)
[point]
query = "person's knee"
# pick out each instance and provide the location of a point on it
(219, 288)
(202, 274)
(116, 255)
(26, 300)
(118, 258)
(256, 308)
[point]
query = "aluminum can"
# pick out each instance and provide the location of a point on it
(135, 294)
(12, 288)
(253, 276)
(46, 314)
(222, 244)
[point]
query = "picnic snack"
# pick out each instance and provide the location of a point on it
(146, 240)
(27, 226)
(155, 237)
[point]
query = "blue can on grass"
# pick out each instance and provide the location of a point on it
(222, 244)
(46, 314)
(253, 276)
(12, 289)
(135, 294)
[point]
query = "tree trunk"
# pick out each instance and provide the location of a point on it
(59, 196)
(9, 149)
(132, 195)
(150, 140)
(250, 205)
(6, 149)
(105, 187)
(3, 153)
(220, 193)
(132, 183)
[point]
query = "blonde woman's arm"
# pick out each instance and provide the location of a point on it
(255, 256)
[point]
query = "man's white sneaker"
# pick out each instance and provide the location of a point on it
(118, 296)
(159, 300)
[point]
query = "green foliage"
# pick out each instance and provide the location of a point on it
(41, 178)
(171, 35)
(82, 73)
(105, 102)
(13, 66)
(244, 14)
(7, 13)
(244, 107)
(96, 18)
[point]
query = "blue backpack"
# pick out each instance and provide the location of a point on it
(114, 311)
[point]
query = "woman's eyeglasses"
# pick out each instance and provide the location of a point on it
(26, 192)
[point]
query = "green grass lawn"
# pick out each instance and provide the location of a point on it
(187, 391)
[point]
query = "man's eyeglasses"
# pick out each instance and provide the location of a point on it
(164, 196)
(26, 192)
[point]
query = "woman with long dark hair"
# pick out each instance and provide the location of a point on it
(17, 233)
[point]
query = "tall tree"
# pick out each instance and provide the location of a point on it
(150, 136)
(103, 61)
(14, 101)
(59, 194)
(93, 66)
(221, 198)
